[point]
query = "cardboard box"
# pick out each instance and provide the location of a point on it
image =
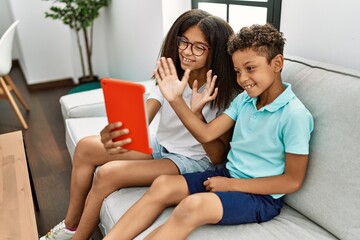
(17, 215)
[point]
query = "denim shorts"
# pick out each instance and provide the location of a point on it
(184, 164)
(238, 207)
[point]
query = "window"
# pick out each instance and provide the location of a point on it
(240, 13)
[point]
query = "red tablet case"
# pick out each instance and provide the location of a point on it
(124, 102)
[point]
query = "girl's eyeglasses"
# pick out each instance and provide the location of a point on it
(197, 48)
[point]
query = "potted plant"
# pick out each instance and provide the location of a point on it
(79, 15)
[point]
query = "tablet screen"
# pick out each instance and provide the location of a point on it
(124, 102)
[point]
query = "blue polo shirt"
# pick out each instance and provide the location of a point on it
(262, 137)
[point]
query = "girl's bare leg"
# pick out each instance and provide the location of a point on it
(89, 154)
(192, 212)
(113, 176)
(165, 191)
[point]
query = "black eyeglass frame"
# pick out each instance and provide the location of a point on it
(184, 40)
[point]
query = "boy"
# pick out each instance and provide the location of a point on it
(269, 149)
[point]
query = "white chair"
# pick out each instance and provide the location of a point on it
(6, 84)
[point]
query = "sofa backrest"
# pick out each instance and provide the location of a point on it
(330, 195)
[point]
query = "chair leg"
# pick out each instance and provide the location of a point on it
(13, 103)
(9, 81)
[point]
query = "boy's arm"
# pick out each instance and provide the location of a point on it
(217, 149)
(290, 181)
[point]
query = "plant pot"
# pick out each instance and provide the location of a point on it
(86, 79)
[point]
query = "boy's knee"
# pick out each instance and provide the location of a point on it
(190, 204)
(162, 187)
(187, 210)
(160, 184)
(197, 209)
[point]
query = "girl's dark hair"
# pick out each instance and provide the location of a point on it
(217, 32)
(263, 39)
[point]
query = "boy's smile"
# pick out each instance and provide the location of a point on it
(248, 86)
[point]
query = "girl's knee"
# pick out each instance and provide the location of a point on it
(84, 148)
(87, 151)
(103, 178)
(111, 176)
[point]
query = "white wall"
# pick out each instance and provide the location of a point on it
(323, 30)
(127, 39)
(45, 45)
(6, 19)
(133, 39)
(128, 36)
(171, 10)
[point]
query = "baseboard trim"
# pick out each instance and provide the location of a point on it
(68, 82)
(16, 63)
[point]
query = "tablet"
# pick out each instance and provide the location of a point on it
(124, 102)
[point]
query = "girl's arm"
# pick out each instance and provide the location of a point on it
(290, 181)
(152, 107)
(217, 149)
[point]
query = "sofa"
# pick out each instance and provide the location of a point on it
(328, 204)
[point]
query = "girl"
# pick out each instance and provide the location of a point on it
(196, 41)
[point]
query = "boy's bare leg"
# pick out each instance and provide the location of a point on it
(192, 212)
(116, 175)
(89, 154)
(154, 232)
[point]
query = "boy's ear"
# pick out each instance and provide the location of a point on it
(278, 62)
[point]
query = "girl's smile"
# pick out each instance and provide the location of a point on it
(186, 60)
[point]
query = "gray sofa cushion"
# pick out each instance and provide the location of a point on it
(290, 224)
(331, 192)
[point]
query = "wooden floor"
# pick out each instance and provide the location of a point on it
(49, 158)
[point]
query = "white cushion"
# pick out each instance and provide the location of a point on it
(83, 104)
(77, 128)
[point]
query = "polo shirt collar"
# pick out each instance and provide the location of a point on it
(278, 103)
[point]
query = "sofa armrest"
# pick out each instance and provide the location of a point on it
(83, 104)
(89, 103)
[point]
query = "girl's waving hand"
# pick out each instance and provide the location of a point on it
(167, 79)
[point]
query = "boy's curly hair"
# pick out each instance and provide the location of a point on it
(263, 39)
